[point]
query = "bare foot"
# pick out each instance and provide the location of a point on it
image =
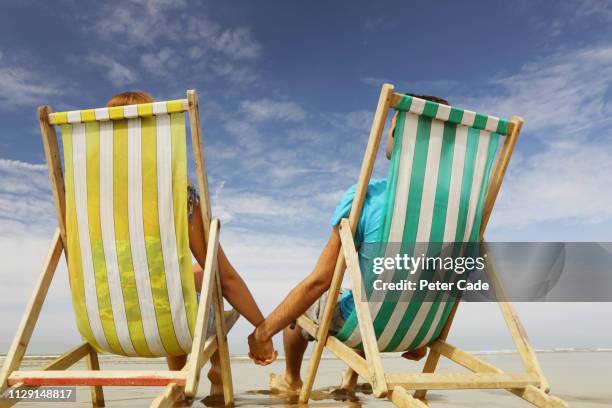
(279, 385)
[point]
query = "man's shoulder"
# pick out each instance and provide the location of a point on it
(378, 186)
(376, 191)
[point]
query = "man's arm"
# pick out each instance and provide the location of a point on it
(301, 297)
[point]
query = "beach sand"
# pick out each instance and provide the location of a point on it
(583, 379)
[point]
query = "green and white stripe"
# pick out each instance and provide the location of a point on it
(437, 180)
(453, 115)
(126, 220)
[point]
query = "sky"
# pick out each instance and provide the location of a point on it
(287, 93)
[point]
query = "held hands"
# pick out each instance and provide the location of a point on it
(261, 351)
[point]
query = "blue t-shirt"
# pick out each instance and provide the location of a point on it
(368, 229)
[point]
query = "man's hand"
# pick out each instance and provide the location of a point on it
(261, 351)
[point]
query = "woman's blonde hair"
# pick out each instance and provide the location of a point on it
(129, 98)
(134, 98)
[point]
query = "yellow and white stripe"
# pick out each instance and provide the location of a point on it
(82, 222)
(129, 259)
(119, 112)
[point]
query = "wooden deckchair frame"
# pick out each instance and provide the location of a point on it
(531, 386)
(176, 383)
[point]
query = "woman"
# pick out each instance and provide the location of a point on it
(233, 287)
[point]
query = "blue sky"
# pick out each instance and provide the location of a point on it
(287, 94)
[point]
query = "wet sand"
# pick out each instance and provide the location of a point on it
(583, 379)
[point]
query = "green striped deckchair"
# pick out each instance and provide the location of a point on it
(445, 172)
(122, 209)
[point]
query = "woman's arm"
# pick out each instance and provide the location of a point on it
(233, 287)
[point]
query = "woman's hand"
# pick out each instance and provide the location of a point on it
(261, 351)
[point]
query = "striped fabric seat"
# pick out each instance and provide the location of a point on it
(126, 223)
(440, 167)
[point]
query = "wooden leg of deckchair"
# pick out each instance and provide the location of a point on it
(97, 395)
(364, 317)
(400, 398)
(30, 316)
(171, 394)
(63, 362)
(531, 394)
(432, 359)
(365, 173)
(208, 279)
(517, 331)
(556, 402)
(525, 350)
(321, 338)
(222, 349)
(216, 389)
(174, 392)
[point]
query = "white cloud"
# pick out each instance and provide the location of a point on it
(159, 62)
(233, 72)
(237, 44)
(25, 196)
(22, 86)
(360, 120)
(139, 22)
(379, 23)
(598, 8)
(171, 34)
(267, 109)
(330, 198)
(562, 96)
(566, 182)
(16, 165)
(116, 72)
(565, 100)
(274, 208)
(374, 23)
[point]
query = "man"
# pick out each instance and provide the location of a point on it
(310, 295)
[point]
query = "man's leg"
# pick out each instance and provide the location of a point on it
(214, 375)
(176, 363)
(295, 341)
(295, 345)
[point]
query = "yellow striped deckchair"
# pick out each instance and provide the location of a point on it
(122, 209)
(445, 172)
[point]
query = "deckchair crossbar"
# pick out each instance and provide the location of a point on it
(119, 112)
(450, 381)
(449, 114)
(108, 378)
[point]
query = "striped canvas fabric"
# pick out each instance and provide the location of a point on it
(440, 167)
(119, 112)
(126, 222)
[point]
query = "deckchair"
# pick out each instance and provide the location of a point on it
(445, 173)
(121, 204)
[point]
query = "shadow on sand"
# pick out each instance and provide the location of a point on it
(322, 397)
